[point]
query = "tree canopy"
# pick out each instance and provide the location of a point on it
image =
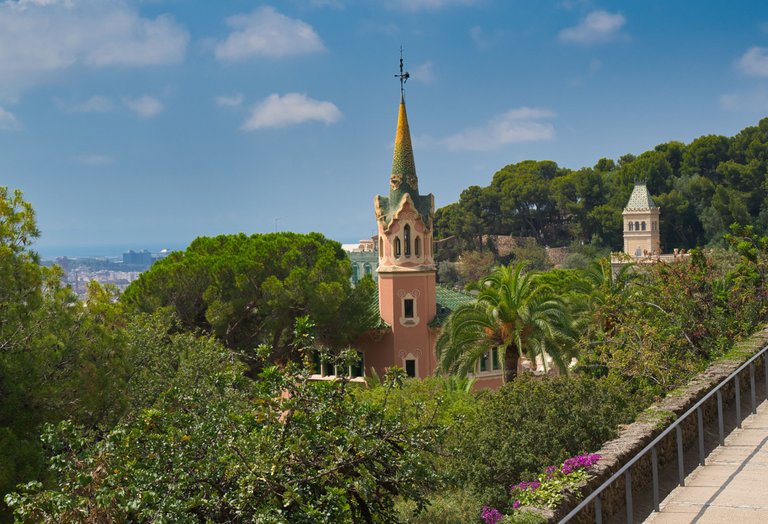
(249, 290)
(515, 315)
(701, 187)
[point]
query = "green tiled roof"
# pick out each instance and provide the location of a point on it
(447, 301)
(640, 199)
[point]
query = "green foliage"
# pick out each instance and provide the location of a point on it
(702, 188)
(523, 517)
(207, 444)
(516, 314)
(668, 321)
(58, 358)
(453, 506)
(473, 266)
(249, 290)
(516, 431)
(533, 254)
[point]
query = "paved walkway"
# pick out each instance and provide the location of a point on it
(732, 487)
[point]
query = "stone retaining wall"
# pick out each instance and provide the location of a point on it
(634, 437)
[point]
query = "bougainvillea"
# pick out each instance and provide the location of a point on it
(491, 515)
(547, 490)
(578, 462)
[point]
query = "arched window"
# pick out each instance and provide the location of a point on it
(637, 226)
(631, 224)
(642, 225)
(367, 269)
(407, 239)
(381, 247)
(355, 273)
(417, 246)
(397, 247)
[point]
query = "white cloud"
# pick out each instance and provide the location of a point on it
(424, 5)
(145, 106)
(598, 26)
(94, 160)
(265, 32)
(235, 100)
(39, 38)
(754, 62)
(7, 120)
(518, 125)
(290, 109)
(95, 104)
(755, 100)
(424, 72)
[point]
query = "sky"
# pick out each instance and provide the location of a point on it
(133, 124)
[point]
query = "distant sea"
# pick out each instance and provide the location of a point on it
(50, 252)
(101, 251)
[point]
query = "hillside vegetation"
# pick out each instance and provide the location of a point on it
(701, 187)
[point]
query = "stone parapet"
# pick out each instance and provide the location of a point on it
(650, 424)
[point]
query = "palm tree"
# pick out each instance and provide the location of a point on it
(516, 315)
(608, 294)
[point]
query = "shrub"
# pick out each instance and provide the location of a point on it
(535, 421)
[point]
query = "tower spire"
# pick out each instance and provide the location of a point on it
(403, 178)
(403, 183)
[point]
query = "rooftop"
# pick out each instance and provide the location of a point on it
(640, 199)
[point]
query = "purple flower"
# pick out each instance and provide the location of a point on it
(579, 462)
(550, 470)
(516, 504)
(490, 515)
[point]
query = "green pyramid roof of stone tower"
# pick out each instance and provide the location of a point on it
(640, 199)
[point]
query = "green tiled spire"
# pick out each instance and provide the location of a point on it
(403, 180)
(402, 161)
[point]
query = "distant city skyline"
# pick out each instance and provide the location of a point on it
(142, 125)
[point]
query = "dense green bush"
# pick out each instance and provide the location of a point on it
(208, 444)
(533, 422)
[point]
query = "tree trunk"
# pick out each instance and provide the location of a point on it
(511, 362)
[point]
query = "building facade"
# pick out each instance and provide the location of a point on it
(364, 258)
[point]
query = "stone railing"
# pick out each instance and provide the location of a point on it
(634, 437)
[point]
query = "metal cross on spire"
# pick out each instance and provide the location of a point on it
(403, 76)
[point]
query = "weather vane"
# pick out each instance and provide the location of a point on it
(402, 76)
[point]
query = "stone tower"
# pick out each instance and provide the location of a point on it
(641, 224)
(406, 265)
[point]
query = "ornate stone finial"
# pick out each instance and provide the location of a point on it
(403, 76)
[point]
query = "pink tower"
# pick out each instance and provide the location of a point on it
(406, 264)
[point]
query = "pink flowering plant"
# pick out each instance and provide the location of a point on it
(490, 515)
(547, 490)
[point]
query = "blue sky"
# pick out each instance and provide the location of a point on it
(132, 124)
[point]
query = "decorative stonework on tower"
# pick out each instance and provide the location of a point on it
(641, 224)
(406, 273)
